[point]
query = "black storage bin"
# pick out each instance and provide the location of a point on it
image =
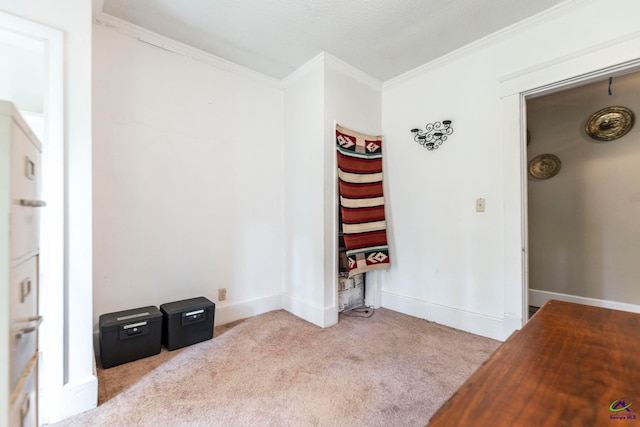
(130, 335)
(187, 322)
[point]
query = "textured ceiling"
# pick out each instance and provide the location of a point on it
(383, 38)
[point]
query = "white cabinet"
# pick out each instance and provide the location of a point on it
(20, 206)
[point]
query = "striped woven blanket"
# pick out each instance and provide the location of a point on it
(362, 200)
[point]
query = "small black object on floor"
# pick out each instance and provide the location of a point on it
(187, 322)
(129, 335)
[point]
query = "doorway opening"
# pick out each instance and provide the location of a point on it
(580, 209)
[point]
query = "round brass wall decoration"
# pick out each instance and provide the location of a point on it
(610, 123)
(544, 166)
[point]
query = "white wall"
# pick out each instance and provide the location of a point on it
(187, 182)
(447, 258)
(584, 223)
(452, 264)
(304, 169)
(75, 389)
(323, 92)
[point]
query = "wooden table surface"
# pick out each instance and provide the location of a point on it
(568, 366)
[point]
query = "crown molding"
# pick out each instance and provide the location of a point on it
(303, 70)
(326, 60)
(479, 44)
(179, 48)
(353, 72)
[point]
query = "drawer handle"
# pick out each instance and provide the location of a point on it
(32, 325)
(134, 325)
(29, 168)
(33, 203)
(24, 409)
(25, 289)
(193, 313)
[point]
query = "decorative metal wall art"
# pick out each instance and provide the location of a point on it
(610, 123)
(544, 166)
(434, 134)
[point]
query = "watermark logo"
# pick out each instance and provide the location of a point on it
(621, 409)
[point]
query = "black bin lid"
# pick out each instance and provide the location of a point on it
(116, 319)
(186, 305)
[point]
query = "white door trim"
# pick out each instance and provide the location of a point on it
(536, 83)
(581, 80)
(51, 337)
(613, 57)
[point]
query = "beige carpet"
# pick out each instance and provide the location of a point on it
(278, 370)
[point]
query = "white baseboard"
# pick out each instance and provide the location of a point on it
(539, 298)
(511, 323)
(236, 311)
(475, 323)
(330, 316)
(320, 316)
(77, 397)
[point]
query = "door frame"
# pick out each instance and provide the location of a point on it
(517, 88)
(596, 76)
(52, 248)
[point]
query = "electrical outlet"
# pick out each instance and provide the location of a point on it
(222, 294)
(480, 205)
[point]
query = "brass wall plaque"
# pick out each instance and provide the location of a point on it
(544, 166)
(610, 123)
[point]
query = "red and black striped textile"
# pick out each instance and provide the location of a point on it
(362, 200)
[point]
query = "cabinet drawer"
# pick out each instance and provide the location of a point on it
(24, 318)
(25, 166)
(25, 177)
(25, 222)
(23, 292)
(24, 405)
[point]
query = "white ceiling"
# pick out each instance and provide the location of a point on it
(383, 38)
